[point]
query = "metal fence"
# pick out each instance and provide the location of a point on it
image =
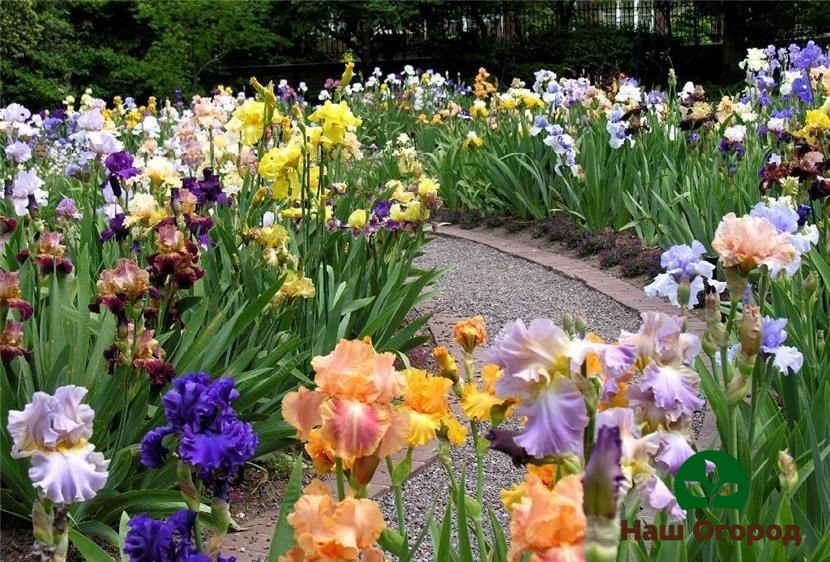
(682, 20)
(685, 22)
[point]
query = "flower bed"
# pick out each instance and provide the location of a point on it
(187, 288)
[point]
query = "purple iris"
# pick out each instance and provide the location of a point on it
(382, 207)
(153, 451)
(208, 189)
(148, 539)
(785, 113)
(68, 209)
(739, 149)
(212, 437)
(156, 540)
(655, 98)
(780, 215)
(117, 230)
(120, 165)
(773, 332)
(811, 55)
(804, 212)
(802, 89)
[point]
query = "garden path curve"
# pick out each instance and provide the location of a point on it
(502, 279)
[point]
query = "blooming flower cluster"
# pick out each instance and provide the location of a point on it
(53, 431)
(326, 529)
(548, 371)
(11, 339)
(686, 268)
(171, 540)
(364, 409)
(211, 437)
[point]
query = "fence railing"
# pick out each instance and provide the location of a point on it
(685, 22)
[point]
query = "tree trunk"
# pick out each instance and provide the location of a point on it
(734, 36)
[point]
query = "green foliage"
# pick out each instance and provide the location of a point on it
(192, 39)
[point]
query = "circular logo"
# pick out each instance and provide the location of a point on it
(718, 475)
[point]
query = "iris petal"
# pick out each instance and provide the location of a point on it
(556, 420)
(69, 476)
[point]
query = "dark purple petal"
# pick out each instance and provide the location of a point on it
(148, 540)
(153, 452)
(224, 448)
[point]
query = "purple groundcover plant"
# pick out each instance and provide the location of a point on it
(212, 438)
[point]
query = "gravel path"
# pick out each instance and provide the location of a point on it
(501, 288)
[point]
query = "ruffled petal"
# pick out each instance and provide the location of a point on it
(787, 358)
(663, 285)
(73, 419)
(655, 494)
(529, 353)
(616, 359)
(673, 451)
(395, 437)
(359, 523)
(226, 447)
(422, 428)
(153, 452)
(49, 421)
(354, 429)
(672, 390)
(556, 420)
(69, 476)
(301, 409)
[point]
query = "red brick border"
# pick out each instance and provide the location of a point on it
(617, 289)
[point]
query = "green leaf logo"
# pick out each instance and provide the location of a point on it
(723, 485)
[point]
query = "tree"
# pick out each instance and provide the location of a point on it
(193, 39)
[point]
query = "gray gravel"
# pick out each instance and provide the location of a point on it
(501, 288)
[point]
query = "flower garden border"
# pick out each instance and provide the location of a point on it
(256, 536)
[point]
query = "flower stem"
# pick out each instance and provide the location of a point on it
(197, 524)
(341, 485)
(399, 507)
(724, 353)
(197, 534)
(479, 529)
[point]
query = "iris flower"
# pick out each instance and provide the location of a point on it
(350, 414)
(53, 431)
(336, 531)
(548, 524)
(212, 437)
(642, 455)
(542, 366)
